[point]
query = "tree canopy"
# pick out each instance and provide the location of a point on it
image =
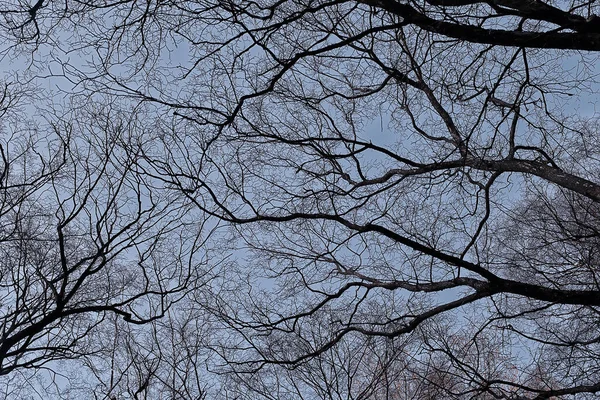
(300, 199)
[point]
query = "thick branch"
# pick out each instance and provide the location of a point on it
(583, 39)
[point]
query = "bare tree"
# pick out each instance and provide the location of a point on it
(418, 171)
(85, 238)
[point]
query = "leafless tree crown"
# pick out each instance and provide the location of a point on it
(300, 199)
